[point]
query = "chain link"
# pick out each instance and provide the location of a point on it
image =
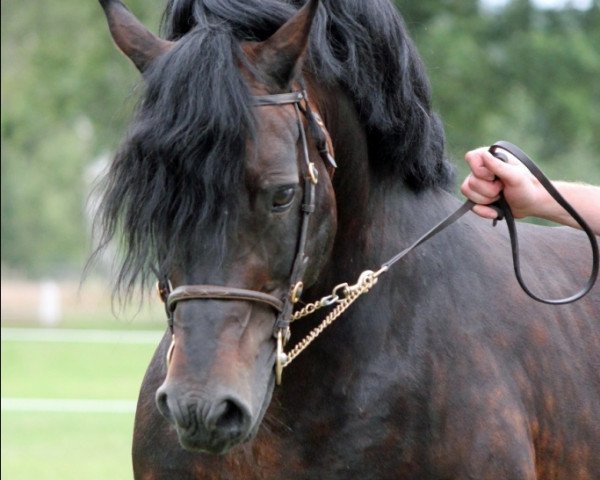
(350, 293)
(311, 308)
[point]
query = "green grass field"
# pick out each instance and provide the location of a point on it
(69, 444)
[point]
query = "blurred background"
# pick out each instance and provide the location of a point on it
(520, 70)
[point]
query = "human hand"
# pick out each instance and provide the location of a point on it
(490, 176)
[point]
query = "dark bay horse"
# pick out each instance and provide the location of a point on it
(226, 189)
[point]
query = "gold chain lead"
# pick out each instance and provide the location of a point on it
(366, 281)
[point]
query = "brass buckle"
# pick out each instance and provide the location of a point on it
(170, 351)
(164, 291)
(280, 357)
(296, 292)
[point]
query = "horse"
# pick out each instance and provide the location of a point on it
(280, 152)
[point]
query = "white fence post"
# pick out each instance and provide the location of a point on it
(50, 310)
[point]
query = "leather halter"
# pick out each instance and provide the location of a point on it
(284, 307)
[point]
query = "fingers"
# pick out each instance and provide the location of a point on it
(485, 212)
(481, 191)
(490, 176)
(482, 185)
(510, 173)
(477, 162)
(487, 167)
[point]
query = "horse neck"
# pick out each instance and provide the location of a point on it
(377, 218)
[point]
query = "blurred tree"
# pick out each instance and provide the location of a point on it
(517, 73)
(63, 86)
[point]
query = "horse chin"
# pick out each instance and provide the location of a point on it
(197, 441)
(198, 444)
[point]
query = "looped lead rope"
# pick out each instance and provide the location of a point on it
(506, 214)
(503, 206)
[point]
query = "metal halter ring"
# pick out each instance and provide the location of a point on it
(280, 358)
(296, 292)
(313, 173)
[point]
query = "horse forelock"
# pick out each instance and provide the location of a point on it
(181, 166)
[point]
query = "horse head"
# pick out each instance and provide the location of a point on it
(229, 270)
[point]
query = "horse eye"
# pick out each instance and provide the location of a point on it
(283, 198)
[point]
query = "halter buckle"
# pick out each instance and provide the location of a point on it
(296, 292)
(163, 288)
(313, 173)
(280, 356)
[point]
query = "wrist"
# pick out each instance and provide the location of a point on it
(549, 209)
(542, 204)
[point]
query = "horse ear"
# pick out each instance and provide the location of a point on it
(131, 36)
(281, 55)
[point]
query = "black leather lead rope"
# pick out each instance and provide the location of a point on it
(449, 220)
(512, 229)
(505, 213)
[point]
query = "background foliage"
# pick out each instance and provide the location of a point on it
(517, 73)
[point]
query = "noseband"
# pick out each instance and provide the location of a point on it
(171, 297)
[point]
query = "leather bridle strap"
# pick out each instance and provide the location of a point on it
(308, 206)
(194, 292)
(278, 99)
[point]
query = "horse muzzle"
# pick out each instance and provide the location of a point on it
(212, 425)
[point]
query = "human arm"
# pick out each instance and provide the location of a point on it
(524, 193)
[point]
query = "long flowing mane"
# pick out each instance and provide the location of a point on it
(363, 46)
(185, 147)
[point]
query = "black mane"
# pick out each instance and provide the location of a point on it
(364, 46)
(182, 157)
(184, 151)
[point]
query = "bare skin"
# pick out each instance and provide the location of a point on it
(524, 193)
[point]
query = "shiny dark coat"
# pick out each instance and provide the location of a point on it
(445, 370)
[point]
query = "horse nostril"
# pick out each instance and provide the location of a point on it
(232, 415)
(162, 402)
(229, 416)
